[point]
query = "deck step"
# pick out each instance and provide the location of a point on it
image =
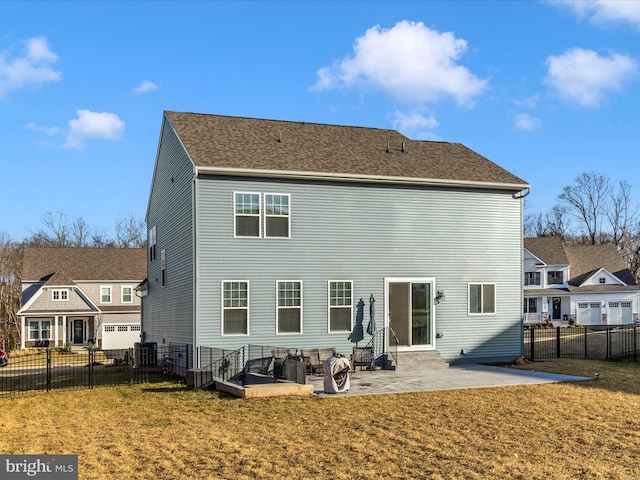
(420, 360)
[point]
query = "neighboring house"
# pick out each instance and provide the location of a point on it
(278, 233)
(587, 284)
(77, 296)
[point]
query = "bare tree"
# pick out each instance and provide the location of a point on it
(622, 215)
(10, 289)
(586, 201)
(58, 227)
(130, 232)
(79, 233)
(554, 223)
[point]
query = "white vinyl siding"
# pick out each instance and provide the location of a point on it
(289, 307)
(482, 298)
(235, 308)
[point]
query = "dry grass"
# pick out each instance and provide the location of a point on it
(573, 431)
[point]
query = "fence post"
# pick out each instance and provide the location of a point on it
(557, 342)
(532, 342)
(635, 345)
(91, 358)
(585, 341)
(48, 370)
(608, 343)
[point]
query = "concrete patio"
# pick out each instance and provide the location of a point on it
(364, 382)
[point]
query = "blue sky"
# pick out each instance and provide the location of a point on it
(545, 89)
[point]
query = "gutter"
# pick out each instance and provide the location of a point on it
(323, 176)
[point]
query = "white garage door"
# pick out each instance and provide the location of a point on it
(589, 314)
(620, 313)
(119, 336)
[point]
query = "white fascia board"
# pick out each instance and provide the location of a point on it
(324, 176)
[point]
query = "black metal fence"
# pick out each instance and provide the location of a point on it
(49, 369)
(595, 342)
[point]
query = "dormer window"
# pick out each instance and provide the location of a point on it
(602, 280)
(60, 295)
(554, 278)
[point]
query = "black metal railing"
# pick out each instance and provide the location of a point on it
(221, 364)
(594, 342)
(49, 369)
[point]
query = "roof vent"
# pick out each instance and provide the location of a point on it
(279, 137)
(388, 147)
(403, 150)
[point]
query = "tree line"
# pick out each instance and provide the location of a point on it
(57, 230)
(593, 210)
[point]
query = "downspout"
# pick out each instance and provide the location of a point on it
(521, 196)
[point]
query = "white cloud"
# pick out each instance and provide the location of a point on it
(103, 125)
(411, 123)
(524, 121)
(605, 11)
(49, 131)
(409, 61)
(584, 76)
(145, 87)
(34, 67)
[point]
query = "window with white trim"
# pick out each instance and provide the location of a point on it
(531, 305)
(235, 308)
(340, 306)
(602, 280)
(152, 243)
(246, 217)
(126, 294)
(60, 295)
(40, 330)
(554, 278)
(532, 278)
(289, 306)
(105, 294)
(276, 215)
(482, 298)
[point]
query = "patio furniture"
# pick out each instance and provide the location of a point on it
(314, 358)
(363, 357)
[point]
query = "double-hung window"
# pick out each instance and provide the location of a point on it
(40, 330)
(276, 215)
(482, 298)
(235, 308)
(105, 294)
(246, 214)
(340, 306)
(152, 244)
(289, 306)
(127, 294)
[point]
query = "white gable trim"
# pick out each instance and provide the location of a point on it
(602, 272)
(535, 256)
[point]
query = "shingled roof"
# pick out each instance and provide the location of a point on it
(41, 263)
(239, 145)
(585, 260)
(548, 249)
(588, 259)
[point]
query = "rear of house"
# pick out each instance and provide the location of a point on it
(81, 296)
(299, 235)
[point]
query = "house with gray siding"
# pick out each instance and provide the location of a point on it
(295, 234)
(584, 284)
(74, 296)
